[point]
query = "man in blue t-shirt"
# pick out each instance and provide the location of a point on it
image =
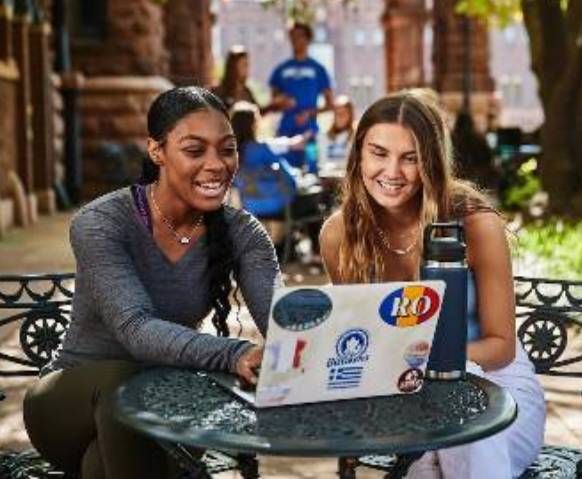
(296, 85)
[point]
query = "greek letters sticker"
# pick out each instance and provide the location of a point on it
(302, 309)
(346, 368)
(409, 306)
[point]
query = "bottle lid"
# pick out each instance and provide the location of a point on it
(444, 242)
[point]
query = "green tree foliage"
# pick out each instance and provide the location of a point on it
(555, 245)
(503, 11)
(555, 33)
(302, 10)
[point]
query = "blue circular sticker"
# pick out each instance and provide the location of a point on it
(302, 309)
(352, 344)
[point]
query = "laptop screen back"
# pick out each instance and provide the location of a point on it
(347, 341)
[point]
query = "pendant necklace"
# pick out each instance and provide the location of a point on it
(182, 239)
(399, 251)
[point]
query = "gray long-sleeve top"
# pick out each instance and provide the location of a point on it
(131, 302)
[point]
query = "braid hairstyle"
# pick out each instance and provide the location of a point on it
(222, 268)
(164, 113)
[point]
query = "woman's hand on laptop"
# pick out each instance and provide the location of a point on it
(248, 364)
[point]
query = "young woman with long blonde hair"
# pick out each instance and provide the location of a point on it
(399, 178)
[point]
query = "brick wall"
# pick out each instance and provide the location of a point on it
(404, 22)
(449, 51)
(188, 38)
(133, 44)
(113, 112)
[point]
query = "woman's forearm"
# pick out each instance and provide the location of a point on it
(491, 353)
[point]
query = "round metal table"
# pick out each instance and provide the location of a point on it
(187, 407)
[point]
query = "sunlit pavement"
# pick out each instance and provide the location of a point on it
(44, 247)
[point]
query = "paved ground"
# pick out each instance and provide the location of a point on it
(44, 248)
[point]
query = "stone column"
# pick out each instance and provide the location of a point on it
(8, 152)
(43, 118)
(6, 18)
(114, 124)
(450, 61)
(188, 41)
(119, 85)
(404, 22)
(23, 120)
(133, 44)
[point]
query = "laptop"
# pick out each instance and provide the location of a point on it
(334, 342)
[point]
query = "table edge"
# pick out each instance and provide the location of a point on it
(505, 407)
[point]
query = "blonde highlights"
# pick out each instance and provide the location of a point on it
(442, 196)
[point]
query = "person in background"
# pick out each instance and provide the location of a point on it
(296, 85)
(266, 182)
(153, 260)
(334, 144)
(399, 180)
(233, 85)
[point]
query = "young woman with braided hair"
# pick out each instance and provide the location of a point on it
(399, 178)
(153, 260)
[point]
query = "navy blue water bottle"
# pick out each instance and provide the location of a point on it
(444, 258)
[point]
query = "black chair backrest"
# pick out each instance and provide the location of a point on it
(549, 308)
(42, 303)
(546, 310)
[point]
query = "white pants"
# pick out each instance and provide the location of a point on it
(506, 454)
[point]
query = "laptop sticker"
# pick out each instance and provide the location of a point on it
(409, 306)
(416, 353)
(283, 356)
(273, 395)
(346, 369)
(302, 309)
(410, 380)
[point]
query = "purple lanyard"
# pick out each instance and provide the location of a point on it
(139, 193)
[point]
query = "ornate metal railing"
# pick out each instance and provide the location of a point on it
(42, 303)
(551, 313)
(546, 308)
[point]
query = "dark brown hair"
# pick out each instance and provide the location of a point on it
(229, 80)
(304, 27)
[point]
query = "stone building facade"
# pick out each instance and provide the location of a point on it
(460, 54)
(461, 63)
(121, 54)
(127, 55)
(28, 150)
